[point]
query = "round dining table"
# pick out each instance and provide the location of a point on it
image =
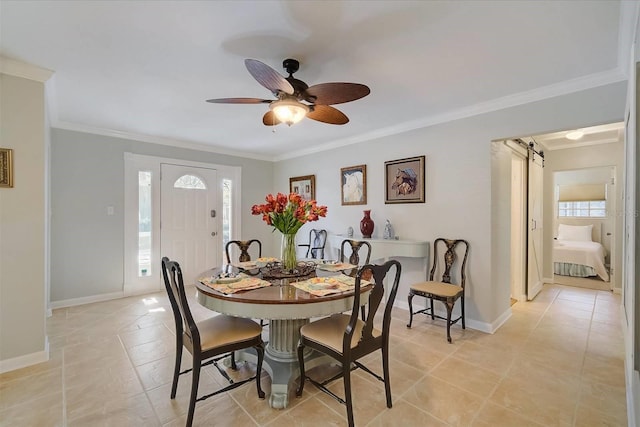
(287, 308)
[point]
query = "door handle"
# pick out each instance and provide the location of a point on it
(214, 234)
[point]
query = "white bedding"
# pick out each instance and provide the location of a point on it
(584, 253)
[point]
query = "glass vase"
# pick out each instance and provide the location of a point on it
(288, 251)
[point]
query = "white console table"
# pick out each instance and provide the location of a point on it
(387, 248)
(384, 249)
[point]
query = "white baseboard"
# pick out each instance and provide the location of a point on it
(547, 280)
(488, 328)
(85, 300)
(26, 360)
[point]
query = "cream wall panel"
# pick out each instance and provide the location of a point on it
(22, 220)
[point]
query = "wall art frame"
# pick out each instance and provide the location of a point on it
(6, 167)
(353, 185)
(304, 186)
(405, 180)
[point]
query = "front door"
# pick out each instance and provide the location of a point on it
(189, 223)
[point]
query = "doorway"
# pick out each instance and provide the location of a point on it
(184, 216)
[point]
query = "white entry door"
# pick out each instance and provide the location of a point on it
(534, 246)
(189, 223)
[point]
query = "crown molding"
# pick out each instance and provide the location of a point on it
(158, 140)
(17, 68)
(563, 88)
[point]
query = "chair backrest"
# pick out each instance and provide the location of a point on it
(449, 268)
(317, 241)
(377, 274)
(173, 282)
(355, 246)
(243, 245)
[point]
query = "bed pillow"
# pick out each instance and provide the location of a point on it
(580, 233)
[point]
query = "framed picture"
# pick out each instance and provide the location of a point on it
(304, 186)
(6, 167)
(404, 180)
(353, 185)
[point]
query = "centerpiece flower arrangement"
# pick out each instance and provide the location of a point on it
(287, 213)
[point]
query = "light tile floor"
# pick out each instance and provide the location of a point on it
(557, 362)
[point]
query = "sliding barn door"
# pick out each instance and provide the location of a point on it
(535, 226)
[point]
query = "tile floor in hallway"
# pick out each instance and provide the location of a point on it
(558, 361)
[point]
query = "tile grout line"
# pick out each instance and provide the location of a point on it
(153, 408)
(64, 390)
(584, 358)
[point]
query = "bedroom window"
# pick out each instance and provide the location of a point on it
(582, 209)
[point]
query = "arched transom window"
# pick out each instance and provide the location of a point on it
(191, 182)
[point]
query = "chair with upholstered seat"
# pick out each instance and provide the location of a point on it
(244, 246)
(354, 258)
(445, 290)
(355, 246)
(346, 338)
(207, 339)
(317, 242)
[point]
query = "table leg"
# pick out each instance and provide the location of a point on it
(281, 359)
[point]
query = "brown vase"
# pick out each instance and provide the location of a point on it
(366, 225)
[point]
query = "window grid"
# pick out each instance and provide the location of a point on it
(582, 209)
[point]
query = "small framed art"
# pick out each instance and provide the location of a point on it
(353, 186)
(304, 186)
(404, 180)
(6, 167)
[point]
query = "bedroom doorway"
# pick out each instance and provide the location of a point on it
(587, 197)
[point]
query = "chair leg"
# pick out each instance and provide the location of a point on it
(176, 369)
(385, 370)
(346, 374)
(195, 379)
(260, 351)
(449, 305)
(432, 312)
(462, 310)
(302, 373)
(410, 299)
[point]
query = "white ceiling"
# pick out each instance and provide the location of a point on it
(144, 69)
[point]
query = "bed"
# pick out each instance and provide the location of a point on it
(576, 254)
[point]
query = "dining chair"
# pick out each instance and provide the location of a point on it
(354, 257)
(244, 246)
(317, 242)
(448, 268)
(207, 339)
(346, 338)
(355, 246)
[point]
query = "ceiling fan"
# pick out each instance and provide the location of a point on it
(295, 99)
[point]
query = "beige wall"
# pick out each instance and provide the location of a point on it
(22, 222)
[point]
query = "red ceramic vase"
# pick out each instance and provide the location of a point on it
(366, 225)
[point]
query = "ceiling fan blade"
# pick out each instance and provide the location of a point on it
(335, 93)
(268, 77)
(327, 114)
(270, 119)
(239, 101)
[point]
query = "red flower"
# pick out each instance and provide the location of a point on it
(287, 213)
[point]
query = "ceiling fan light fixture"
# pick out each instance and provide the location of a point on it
(574, 135)
(289, 111)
